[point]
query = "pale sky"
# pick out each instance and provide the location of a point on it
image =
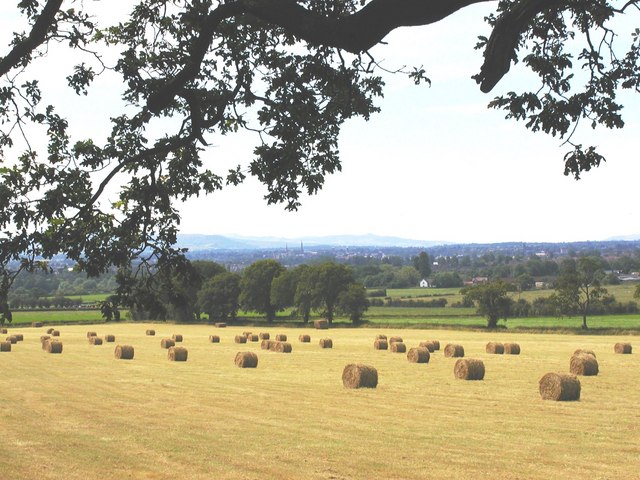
(435, 163)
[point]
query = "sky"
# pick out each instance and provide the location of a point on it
(435, 164)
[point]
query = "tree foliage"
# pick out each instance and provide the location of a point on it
(289, 71)
(579, 287)
(422, 263)
(330, 280)
(491, 300)
(353, 301)
(256, 283)
(218, 296)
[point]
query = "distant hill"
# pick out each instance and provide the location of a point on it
(624, 238)
(196, 242)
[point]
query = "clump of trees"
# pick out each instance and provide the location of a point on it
(265, 286)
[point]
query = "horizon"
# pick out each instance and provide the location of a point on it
(313, 238)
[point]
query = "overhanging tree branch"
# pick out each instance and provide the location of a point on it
(38, 35)
(504, 39)
(354, 33)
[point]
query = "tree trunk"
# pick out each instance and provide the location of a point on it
(584, 321)
(492, 322)
(271, 315)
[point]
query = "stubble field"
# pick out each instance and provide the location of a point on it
(84, 414)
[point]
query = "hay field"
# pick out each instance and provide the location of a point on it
(84, 414)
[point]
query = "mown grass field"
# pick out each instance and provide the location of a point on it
(83, 414)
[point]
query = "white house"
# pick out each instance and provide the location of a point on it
(424, 283)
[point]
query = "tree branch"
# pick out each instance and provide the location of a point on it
(360, 31)
(504, 39)
(37, 36)
(354, 33)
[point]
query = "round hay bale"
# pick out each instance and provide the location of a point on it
(436, 344)
(247, 359)
(252, 338)
(178, 354)
(49, 331)
(43, 340)
(511, 349)
(397, 347)
(584, 351)
(428, 345)
(176, 337)
(380, 344)
(4, 331)
(124, 352)
(220, 325)
(282, 347)
(95, 340)
(240, 339)
(356, 375)
(267, 344)
(247, 334)
(281, 337)
(5, 346)
(53, 346)
(495, 348)
(151, 333)
(395, 339)
(583, 364)
(624, 348)
(91, 334)
(264, 336)
(109, 338)
(19, 337)
(11, 339)
(381, 337)
(326, 343)
(304, 338)
(559, 387)
(36, 324)
(214, 339)
(55, 333)
(469, 369)
(321, 324)
(167, 343)
(418, 355)
(453, 350)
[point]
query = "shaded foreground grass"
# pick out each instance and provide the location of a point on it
(84, 414)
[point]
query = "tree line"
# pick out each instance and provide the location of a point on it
(193, 290)
(579, 290)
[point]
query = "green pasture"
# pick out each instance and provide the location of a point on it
(596, 323)
(623, 293)
(56, 316)
(92, 298)
(426, 293)
(83, 414)
(376, 316)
